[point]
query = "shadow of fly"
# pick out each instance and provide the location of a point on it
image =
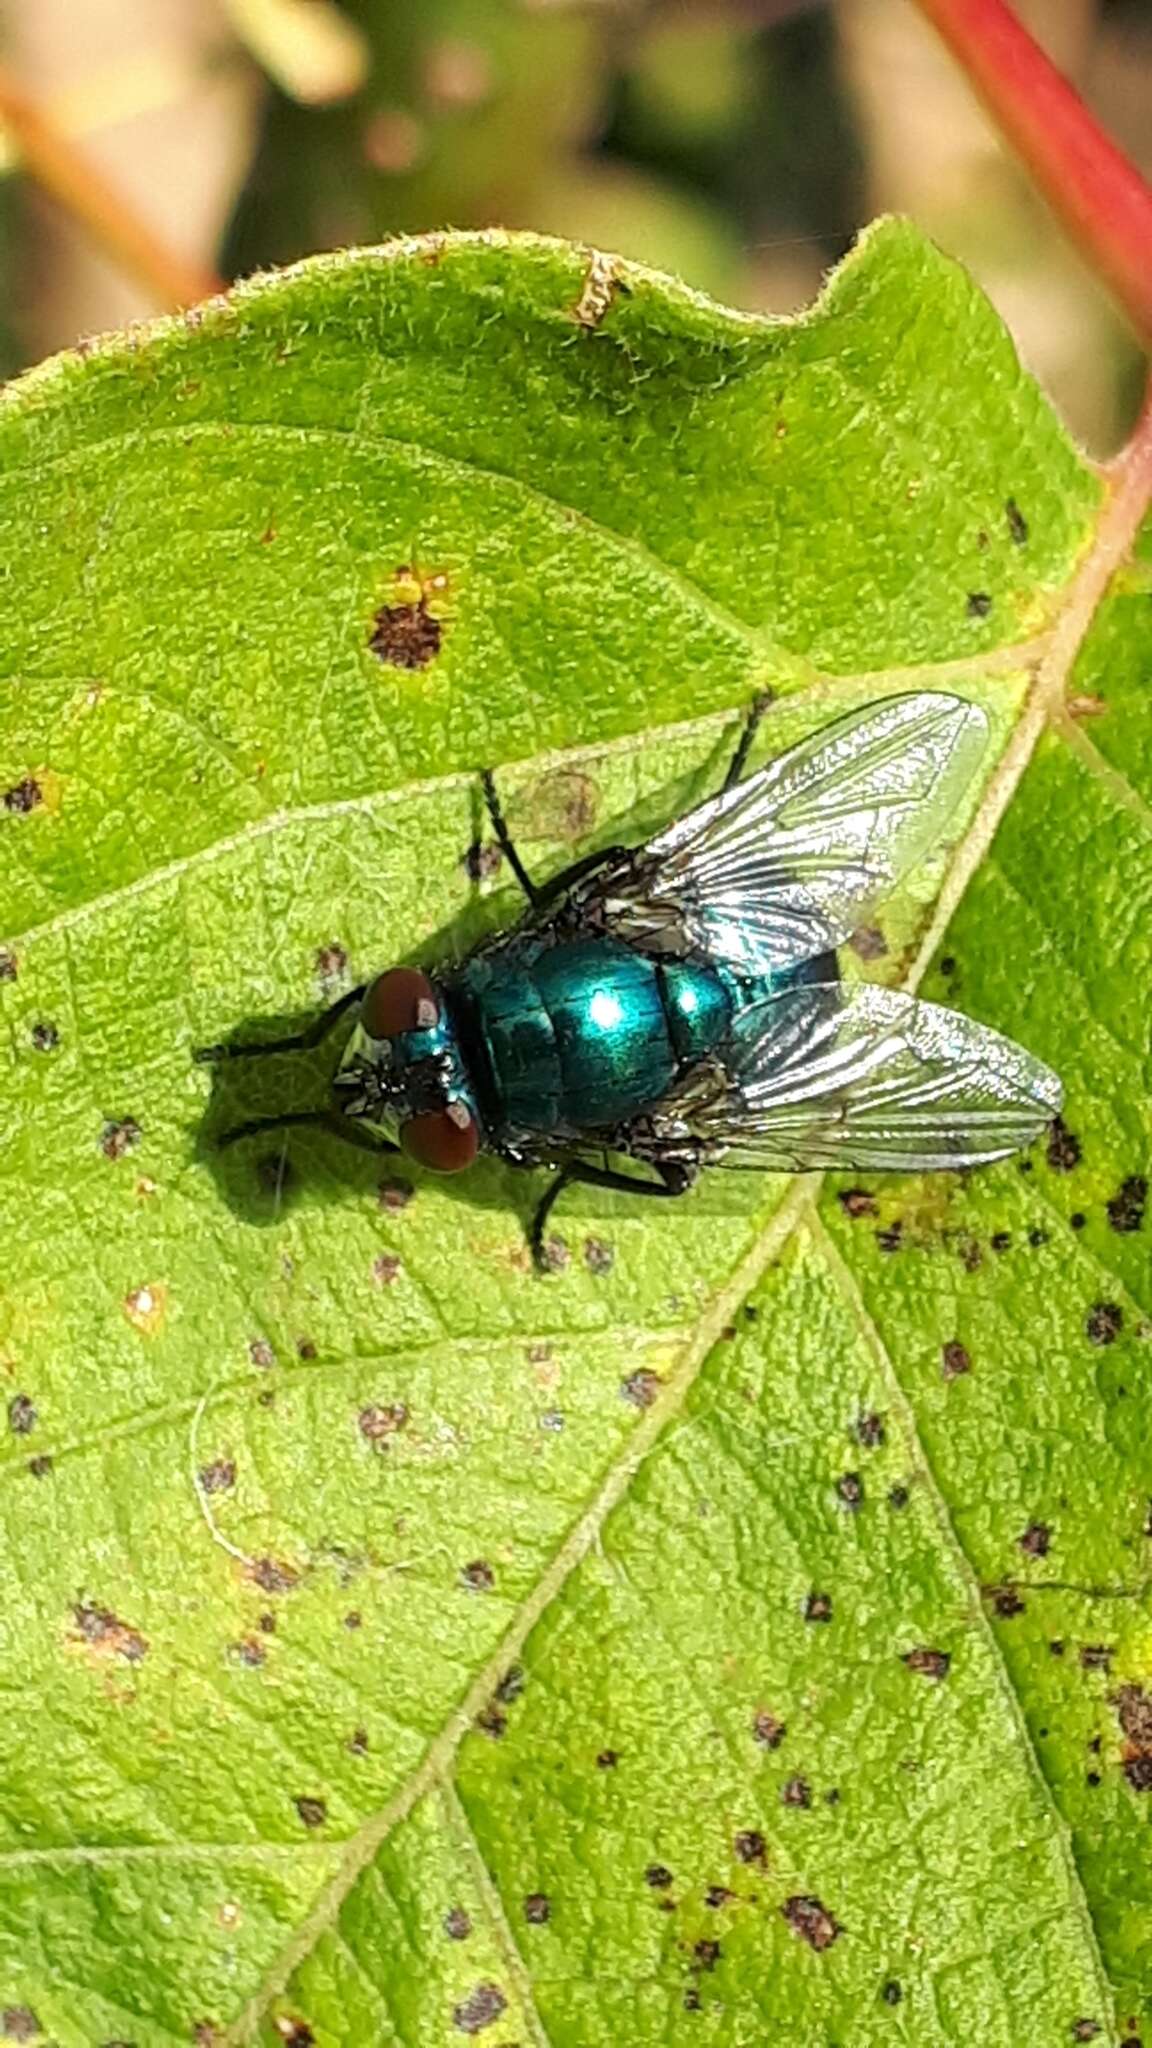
(678, 1005)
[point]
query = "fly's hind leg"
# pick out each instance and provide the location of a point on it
(329, 1120)
(736, 766)
(675, 1179)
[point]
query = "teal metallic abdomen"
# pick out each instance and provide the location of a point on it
(584, 1032)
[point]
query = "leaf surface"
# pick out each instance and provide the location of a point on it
(743, 1633)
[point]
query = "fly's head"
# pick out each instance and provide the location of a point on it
(402, 1072)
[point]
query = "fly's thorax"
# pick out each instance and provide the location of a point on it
(410, 1085)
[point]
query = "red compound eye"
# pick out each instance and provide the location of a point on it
(401, 1000)
(447, 1140)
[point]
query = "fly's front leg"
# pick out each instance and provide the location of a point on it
(504, 838)
(297, 1041)
(329, 1120)
(675, 1179)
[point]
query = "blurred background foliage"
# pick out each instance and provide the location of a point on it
(740, 145)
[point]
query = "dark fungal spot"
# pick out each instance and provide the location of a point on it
(857, 1202)
(273, 1576)
(478, 1576)
(796, 1792)
(456, 1924)
(1037, 1237)
(642, 1387)
(706, 1953)
(1134, 1712)
(607, 1759)
(358, 1742)
(313, 1812)
(1001, 1241)
(869, 943)
(1093, 1778)
(330, 962)
(889, 1240)
(1127, 1206)
(250, 1651)
(105, 1632)
(898, 1497)
(40, 1467)
(305, 1348)
(818, 1607)
(948, 965)
(1017, 524)
(22, 1416)
(377, 1423)
(1085, 2030)
(978, 605)
(219, 1477)
(1104, 1322)
(870, 1431)
(406, 635)
(1057, 1647)
(692, 2000)
(850, 1491)
(23, 797)
(295, 2033)
(482, 2008)
(385, 1269)
(718, 1895)
(394, 1194)
(482, 859)
(1077, 1220)
(492, 1720)
(19, 2023)
(261, 1353)
(45, 1037)
(598, 1256)
(954, 1360)
(892, 1992)
(811, 1920)
(511, 1685)
(119, 1136)
(1036, 1540)
(1097, 1656)
(658, 1876)
(767, 1730)
(1006, 1602)
(1064, 1148)
(8, 967)
(749, 1846)
(537, 1909)
(972, 1255)
(556, 1254)
(929, 1663)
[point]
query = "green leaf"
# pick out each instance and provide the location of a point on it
(743, 1633)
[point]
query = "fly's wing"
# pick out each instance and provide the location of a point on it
(830, 1076)
(786, 865)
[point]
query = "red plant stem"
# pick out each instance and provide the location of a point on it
(1101, 198)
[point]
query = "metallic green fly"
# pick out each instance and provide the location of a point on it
(679, 1004)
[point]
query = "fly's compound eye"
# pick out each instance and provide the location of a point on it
(401, 1000)
(447, 1140)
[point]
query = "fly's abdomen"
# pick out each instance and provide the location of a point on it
(587, 1033)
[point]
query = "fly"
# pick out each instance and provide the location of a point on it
(679, 1004)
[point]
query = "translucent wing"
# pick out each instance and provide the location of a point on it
(786, 865)
(829, 1075)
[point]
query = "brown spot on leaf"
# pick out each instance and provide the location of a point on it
(1017, 524)
(395, 1194)
(119, 1136)
(330, 962)
(1064, 1148)
(706, 1953)
(272, 1575)
(146, 1308)
(767, 1730)
(818, 1607)
(8, 967)
(978, 605)
(537, 1909)
(104, 1632)
(482, 860)
(1036, 1540)
(658, 1876)
(313, 1812)
(869, 943)
(1001, 1241)
(22, 1416)
(796, 1792)
(379, 1422)
(642, 1387)
(1006, 1601)
(219, 1477)
(954, 1360)
(1104, 1322)
(929, 1663)
(850, 1491)
(1085, 2030)
(1097, 1656)
(406, 635)
(294, 2032)
(869, 1431)
(857, 1202)
(482, 2008)
(23, 797)
(261, 1353)
(45, 1037)
(385, 1269)
(598, 1256)
(478, 1576)
(607, 1759)
(457, 1924)
(811, 1920)
(40, 1467)
(889, 1240)
(892, 1992)
(1127, 1206)
(749, 1846)
(19, 2023)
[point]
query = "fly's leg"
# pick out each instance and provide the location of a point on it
(760, 705)
(504, 837)
(329, 1120)
(675, 1179)
(298, 1041)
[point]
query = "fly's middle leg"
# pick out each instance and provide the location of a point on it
(736, 766)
